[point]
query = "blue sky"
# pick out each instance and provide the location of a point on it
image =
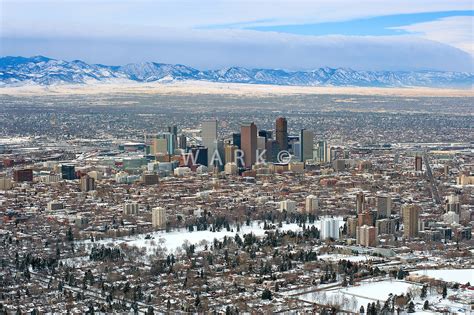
(210, 34)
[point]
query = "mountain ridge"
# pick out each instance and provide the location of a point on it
(40, 70)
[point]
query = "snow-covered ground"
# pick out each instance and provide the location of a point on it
(352, 298)
(461, 276)
(353, 258)
(174, 240)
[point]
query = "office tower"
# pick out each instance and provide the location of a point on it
(367, 236)
(5, 183)
(197, 156)
(411, 215)
(272, 151)
(236, 140)
(267, 134)
(296, 149)
(384, 206)
(311, 205)
(130, 208)
(248, 134)
(306, 145)
(158, 217)
(23, 175)
(360, 202)
(453, 204)
(182, 142)
(150, 179)
(209, 138)
(68, 172)
(323, 154)
(159, 146)
(329, 228)
(261, 144)
(418, 163)
(173, 130)
(87, 183)
(288, 206)
(281, 132)
(229, 154)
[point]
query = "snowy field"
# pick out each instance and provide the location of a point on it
(352, 258)
(174, 240)
(352, 298)
(461, 276)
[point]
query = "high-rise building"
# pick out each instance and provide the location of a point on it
(209, 138)
(385, 226)
(23, 175)
(159, 146)
(329, 228)
(322, 155)
(182, 142)
(411, 215)
(418, 163)
(248, 133)
(230, 152)
(236, 140)
(453, 204)
(312, 204)
(306, 145)
(367, 236)
(272, 151)
(384, 206)
(5, 183)
(352, 224)
(158, 217)
(198, 156)
(288, 206)
(130, 208)
(281, 132)
(267, 134)
(87, 183)
(150, 179)
(68, 172)
(360, 202)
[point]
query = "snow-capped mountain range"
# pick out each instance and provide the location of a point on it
(39, 70)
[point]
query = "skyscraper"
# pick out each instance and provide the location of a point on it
(384, 206)
(410, 214)
(360, 202)
(418, 163)
(87, 183)
(306, 145)
(311, 204)
(158, 217)
(323, 154)
(282, 133)
(68, 172)
(209, 138)
(249, 143)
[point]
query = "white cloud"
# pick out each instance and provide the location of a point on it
(457, 31)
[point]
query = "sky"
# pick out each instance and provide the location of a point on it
(212, 34)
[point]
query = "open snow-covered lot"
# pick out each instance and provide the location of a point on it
(352, 298)
(172, 241)
(461, 276)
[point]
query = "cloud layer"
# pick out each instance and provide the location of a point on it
(188, 32)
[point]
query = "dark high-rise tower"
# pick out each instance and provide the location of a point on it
(248, 140)
(282, 133)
